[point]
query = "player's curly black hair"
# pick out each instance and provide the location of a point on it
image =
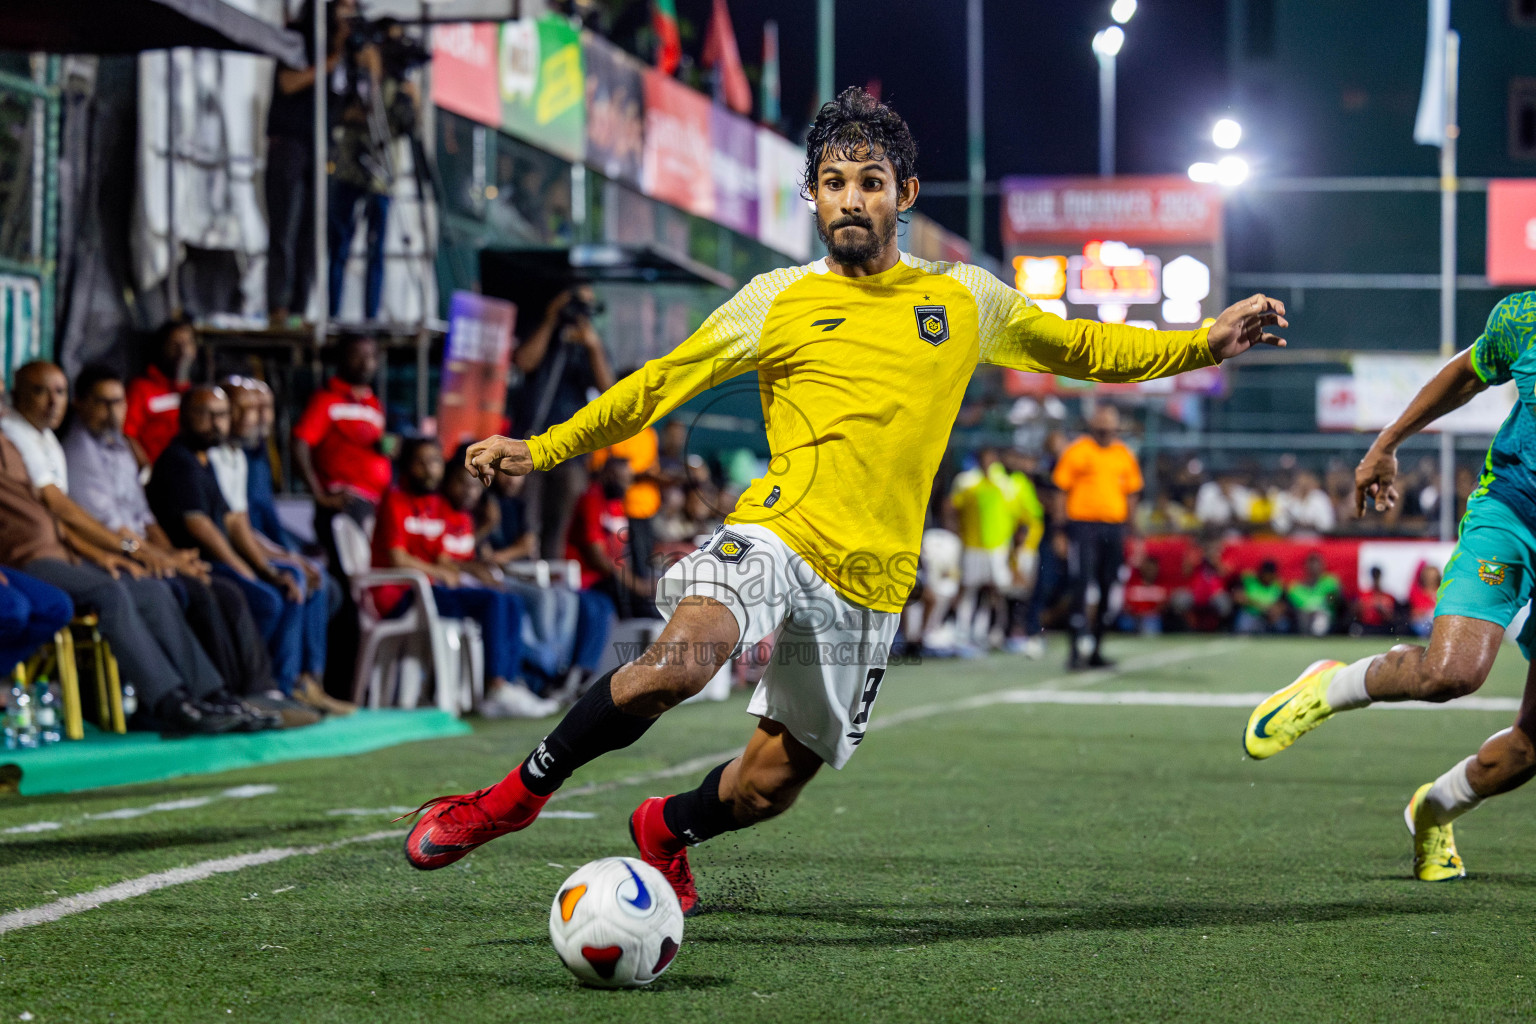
(853, 126)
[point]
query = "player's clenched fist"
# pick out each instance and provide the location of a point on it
(498, 455)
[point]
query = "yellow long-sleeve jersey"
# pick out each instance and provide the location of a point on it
(860, 380)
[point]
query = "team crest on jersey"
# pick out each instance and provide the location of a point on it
(1491, 573)
(932, 324)
(730, 547)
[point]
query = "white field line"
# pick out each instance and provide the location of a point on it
(1163, 698)
(1048, 691)
(176, 876)
(124, 813)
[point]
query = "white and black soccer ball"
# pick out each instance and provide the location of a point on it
(616, 923)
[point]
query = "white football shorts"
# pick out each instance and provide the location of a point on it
(985, 567)
(830, 653)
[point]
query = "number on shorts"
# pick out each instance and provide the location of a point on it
(871, 690)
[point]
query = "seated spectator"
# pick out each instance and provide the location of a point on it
(31, 612)
(338, 442)
(1421, 599)
(1223, 502)
(1375, 611)
(106, 488)
(1260, 601)
(185, 496)
(1316, 597)
(1146, 599)
(1304, 507)
(418, 529)
(599, 540)
(1204, 603)
(154, 399)
(701, 508)
(180, 690)
(244, 472)
(672, 524)
(563, 630)
(1164, 515)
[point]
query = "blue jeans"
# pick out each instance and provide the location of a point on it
(31, 611)
(343, 225)
(594, 621)
(280, 621)
(500, 616)
(319, 606)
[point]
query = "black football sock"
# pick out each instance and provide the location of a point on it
(591, 728)
(700, 814)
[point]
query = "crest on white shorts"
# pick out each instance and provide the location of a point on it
(730, 547)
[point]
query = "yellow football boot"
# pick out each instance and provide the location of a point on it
(1434, 847)
(1285, 714)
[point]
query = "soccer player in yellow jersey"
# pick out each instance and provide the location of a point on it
(862, 360)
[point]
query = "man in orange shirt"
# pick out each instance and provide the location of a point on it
(1099, 479)
(643, 498)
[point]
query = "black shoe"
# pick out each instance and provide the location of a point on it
(252, 719)
(1099, 661)
(290, 713)
(192, 718)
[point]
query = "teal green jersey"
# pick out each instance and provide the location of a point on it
(1504, 352)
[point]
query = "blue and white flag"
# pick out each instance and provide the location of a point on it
(1429, 126)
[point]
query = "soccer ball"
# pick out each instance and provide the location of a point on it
(616, 923)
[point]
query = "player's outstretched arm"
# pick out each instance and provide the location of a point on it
(1245, 324)
(1453, 387)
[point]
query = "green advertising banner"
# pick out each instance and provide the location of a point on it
(543, 85)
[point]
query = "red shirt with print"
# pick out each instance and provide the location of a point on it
(599, 520)
(459, 536)
(154, 411)
(343, 426)
(415, 524)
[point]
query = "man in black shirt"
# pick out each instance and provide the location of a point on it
(185, 497)
(564, 367)
(290, 178)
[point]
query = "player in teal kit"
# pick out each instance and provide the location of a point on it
(1489, 578)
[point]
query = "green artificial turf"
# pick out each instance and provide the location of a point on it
(1001, 862)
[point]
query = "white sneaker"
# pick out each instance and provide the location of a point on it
(1034, 647)
(513, 700)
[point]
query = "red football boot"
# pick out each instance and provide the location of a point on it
(454, 825)
(664, 851)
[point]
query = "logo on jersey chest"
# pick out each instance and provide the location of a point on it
(932, 324)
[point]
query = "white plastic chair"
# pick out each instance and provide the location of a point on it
(393, 652)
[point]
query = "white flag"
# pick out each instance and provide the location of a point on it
(1429, 126)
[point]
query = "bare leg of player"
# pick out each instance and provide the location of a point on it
(759, 784)
(1458, 659)
(1506, 761)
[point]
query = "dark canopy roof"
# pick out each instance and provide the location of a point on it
(128, 26)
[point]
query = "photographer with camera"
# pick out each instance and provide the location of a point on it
(378, 106)
(564, 366)
(290, 177)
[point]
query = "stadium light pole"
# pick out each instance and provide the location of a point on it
(1448, 186)
(1106, 46)
(826, 63)
(975, 129)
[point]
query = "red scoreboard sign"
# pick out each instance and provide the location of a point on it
(1512, 232)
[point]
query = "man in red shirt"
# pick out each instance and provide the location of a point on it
(337, 443)
(154, 400)
(418, 529)
(599, 540)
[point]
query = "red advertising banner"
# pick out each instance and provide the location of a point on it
(464, 70)
(471, 403)
(1132, 208)
(678, 153)
(1512, 232)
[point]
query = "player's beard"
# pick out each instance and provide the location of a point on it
(864, 247)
